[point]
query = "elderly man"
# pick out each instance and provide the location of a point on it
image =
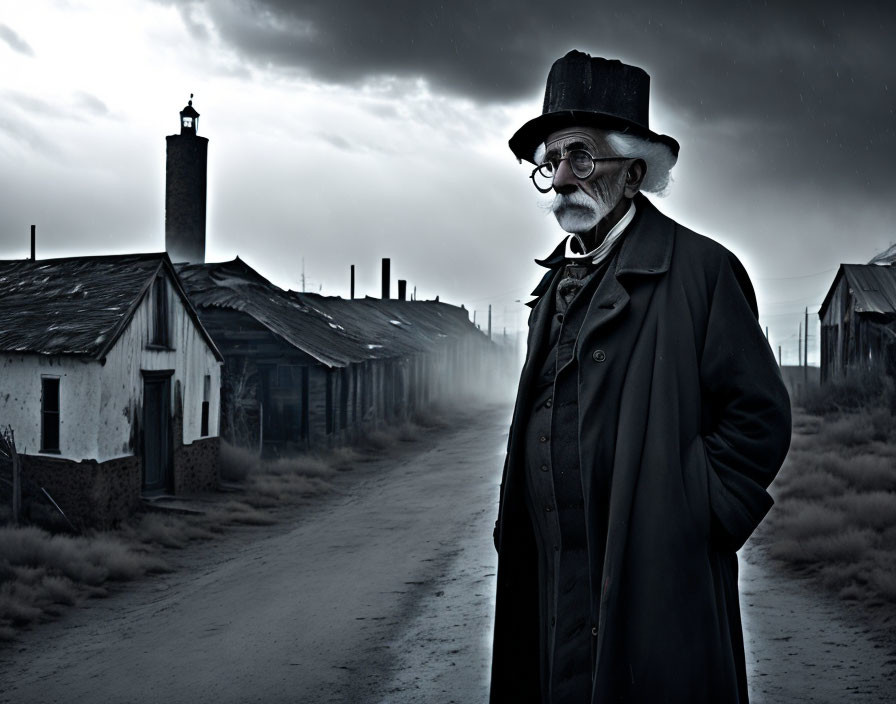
(650, 419)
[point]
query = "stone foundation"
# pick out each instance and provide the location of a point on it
(90, 493)
(196, 466)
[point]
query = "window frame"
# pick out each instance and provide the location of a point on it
(57, 414)
(204, 412)
(160, 322)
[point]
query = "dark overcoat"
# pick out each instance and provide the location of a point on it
(680, 394)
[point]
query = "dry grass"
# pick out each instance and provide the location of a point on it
(835, 510)
(41, 574)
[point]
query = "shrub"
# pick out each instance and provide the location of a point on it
(875, 509)
(862, 388)
(848, 546)
(235, 462)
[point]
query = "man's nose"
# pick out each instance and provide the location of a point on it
(565, 181)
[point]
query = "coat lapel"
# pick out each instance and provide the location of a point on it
(644, 254)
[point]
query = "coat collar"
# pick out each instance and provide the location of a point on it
(646, 245)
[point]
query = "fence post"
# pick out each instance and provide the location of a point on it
(16, 486)
(8, 443)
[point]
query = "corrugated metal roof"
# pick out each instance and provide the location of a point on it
(335, 331)
(78, 305)
(873, 288)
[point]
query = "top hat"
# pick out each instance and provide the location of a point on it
(586, 91)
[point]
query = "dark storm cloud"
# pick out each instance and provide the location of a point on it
(14, 41)
(805, 85)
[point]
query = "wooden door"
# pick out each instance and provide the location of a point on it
(156, 433)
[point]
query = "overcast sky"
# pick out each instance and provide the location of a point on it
(343, 132)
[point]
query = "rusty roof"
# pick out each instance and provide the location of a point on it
(872, 286)
(77, 305)
(333, 330)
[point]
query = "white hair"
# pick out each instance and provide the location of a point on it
(658, 157)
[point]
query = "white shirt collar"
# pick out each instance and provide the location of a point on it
(599, 253)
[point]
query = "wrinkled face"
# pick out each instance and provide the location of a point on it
(581, 203)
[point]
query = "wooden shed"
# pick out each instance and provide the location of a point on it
(304, 371)
(858, 321)
(109, 381)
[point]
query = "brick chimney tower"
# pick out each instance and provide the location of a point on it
(185, 190)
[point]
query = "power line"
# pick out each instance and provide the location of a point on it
(801, 276)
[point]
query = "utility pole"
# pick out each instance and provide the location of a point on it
(806, 352)
(489, 321)
(799, 346)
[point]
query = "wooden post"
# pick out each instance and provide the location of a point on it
(489, 321)
(33, 242)
(806, 352)
(16, 481)
(8, 446)
(353, 282)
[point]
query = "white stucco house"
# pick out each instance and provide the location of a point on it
(109, 381)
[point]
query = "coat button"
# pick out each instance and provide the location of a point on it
(548, 403)
(548, 509)
(559, 317)
(594, 630)
(543, 438)
(544, 468)
(599, 355)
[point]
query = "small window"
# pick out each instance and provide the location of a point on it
(160, 331)
(49, 414)
(188, 122)
(206, 395)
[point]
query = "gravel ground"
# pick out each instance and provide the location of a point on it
(383, 593)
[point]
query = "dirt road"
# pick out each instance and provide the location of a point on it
(383, 593)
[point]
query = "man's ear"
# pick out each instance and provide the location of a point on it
(634, 175)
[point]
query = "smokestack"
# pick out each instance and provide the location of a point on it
(33, 242)
(353, 281)
(186, 184)
(386, 267)
(402, 289)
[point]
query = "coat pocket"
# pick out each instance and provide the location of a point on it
(694, 468)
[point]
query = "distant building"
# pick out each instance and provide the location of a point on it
(305, 371)
(109, 381)
(858, 321)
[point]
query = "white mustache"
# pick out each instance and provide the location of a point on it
(576, 199)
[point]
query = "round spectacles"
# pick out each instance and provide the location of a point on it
(580, 161)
